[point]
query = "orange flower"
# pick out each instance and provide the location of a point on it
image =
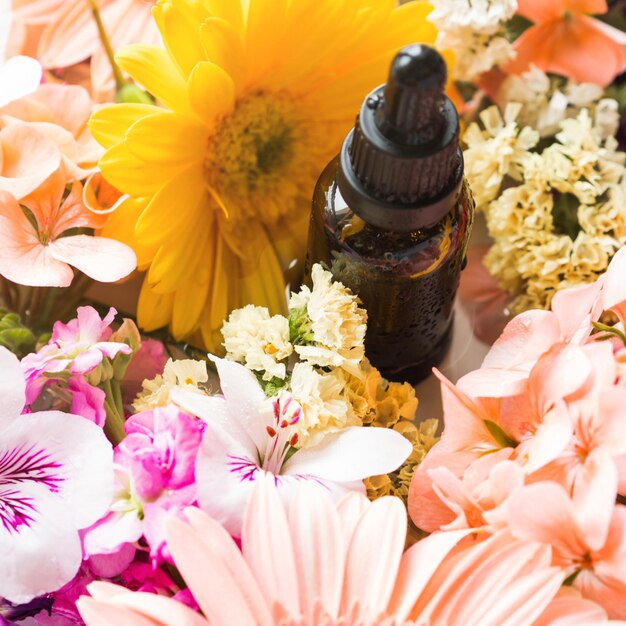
(565, 40)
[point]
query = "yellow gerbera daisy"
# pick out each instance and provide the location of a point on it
(257, 96)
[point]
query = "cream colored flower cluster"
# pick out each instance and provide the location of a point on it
(557, 214)
(548, 100)
(474, 31)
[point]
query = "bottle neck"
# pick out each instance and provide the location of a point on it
(390, 215)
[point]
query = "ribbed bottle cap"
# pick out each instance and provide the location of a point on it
(403, 153)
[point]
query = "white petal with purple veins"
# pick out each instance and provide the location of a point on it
(68, 454)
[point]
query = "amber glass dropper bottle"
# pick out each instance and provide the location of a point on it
(392, 215)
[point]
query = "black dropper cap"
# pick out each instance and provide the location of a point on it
(401, 168)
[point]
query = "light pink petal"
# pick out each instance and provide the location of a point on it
(86, 361)
(244, 397)
(12, 387)
(571, 610)
(464, 418)
(210, 578)
(594, 495)
(525, 338)
(613, 288)
(604, 368)
(268, 548)
(97, 613)
(417, 566)
(454, 494)
(494, 383)
(102, 259)
(426, 508)
(370, 574)
(319, 549)
(29, 157)
(350, 509)
(113, 531)
(70, 105)
(543, 512)
(550, 439)
(559, 373)
(352, 454)
(34, 265)
(575, 309)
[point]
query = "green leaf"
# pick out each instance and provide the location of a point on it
(499, 435)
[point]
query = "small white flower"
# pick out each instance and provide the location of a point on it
(257, 340)
(325, 408)
(335, 322)
(186, 374)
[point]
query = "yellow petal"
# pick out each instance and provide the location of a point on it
(175, 209)
(153, 310)
(229, 10)
(222, 46)
(131, 175)
(153, 69)
(109, 124)
(167, 138)
(262, 51)
(191, 296)
(121, 226)
(180, 31)
(211, 92)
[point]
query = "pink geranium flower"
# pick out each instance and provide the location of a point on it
(77, 348)
(38, 248)
(56, 477)
(155, 478)
(59, 113)
(70, 34)
(314, 564)
(587, 535)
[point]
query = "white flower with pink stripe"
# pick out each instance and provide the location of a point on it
(56, 477)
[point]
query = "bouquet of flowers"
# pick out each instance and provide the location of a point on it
(228, 454)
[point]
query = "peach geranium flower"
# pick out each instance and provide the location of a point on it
(567, 41)
(59, 113)
(39, 242)
(70, 34)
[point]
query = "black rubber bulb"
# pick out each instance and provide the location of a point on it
(411, 110)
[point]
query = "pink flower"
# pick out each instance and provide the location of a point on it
(59, 113)
(160, 450)
(55, 478)
(70, 33)
(87, 400)
(77, 347)
(155, 478)
(587, 535)
(38, 248)
(313, 563)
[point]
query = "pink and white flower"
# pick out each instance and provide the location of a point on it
(78, 347)
(56, 477)
(247, 435)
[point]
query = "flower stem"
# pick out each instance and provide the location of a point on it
(106, 43)
(114, 425)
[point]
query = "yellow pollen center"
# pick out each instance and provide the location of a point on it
(259, 156)
(188, 381)
(270, 348)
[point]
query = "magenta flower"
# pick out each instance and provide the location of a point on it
(77, 347)
(155, 478)
(56, 477)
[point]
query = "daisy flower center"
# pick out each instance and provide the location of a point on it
(257, 154)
